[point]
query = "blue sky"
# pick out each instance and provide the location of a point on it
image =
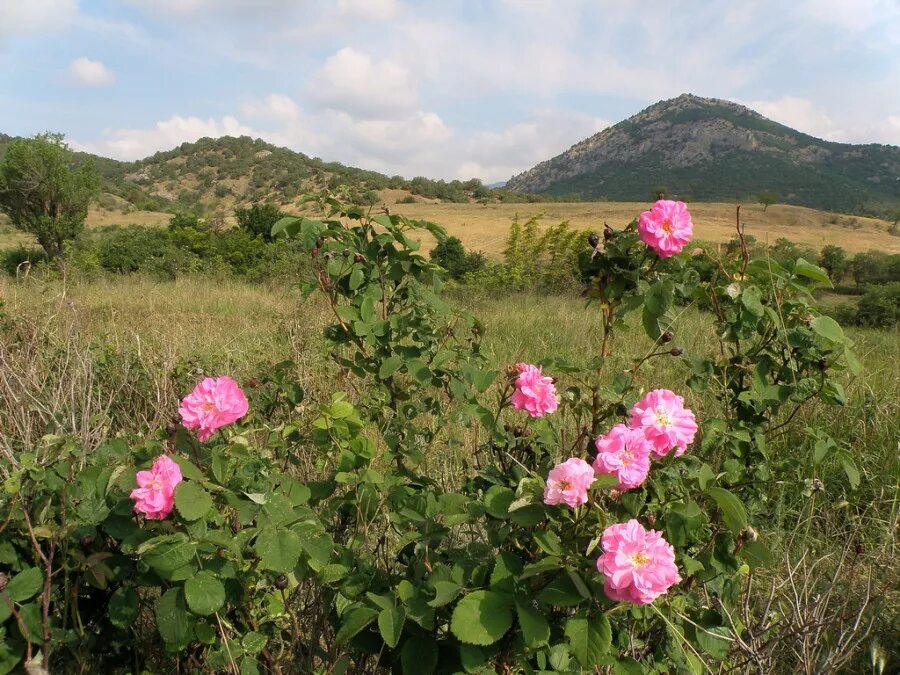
(443, 88)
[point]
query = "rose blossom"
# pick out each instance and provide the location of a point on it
(639, 565)
(666, 228)
(155, 494)
(625, 454)
(665, 422)
(215, 402)
(535, 392)
(568, 483)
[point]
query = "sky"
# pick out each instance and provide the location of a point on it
(440, 88)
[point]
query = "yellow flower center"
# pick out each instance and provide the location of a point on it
(639, 559)
(667, 226)
(662, 418)
(209, 406)
(564, 485)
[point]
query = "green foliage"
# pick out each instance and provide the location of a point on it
(369, 560)
(258, 219)
(43, 194)
(453, 257)
(834, 261)
(767, 198)
(20, 260)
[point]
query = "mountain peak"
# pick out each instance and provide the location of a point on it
(714, 149)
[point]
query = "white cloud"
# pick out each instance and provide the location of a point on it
(130, 144)
(351, 82)
(493, 156)
(88, 73)
(373, 10)
(275, 106)
(21, 18)
(803, 115)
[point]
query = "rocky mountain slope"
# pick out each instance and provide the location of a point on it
(714, 150)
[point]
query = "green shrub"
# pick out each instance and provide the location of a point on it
(258, 219)
(20, 260)
(458, 262)
(879, 307)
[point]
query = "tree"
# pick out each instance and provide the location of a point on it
(767, 198)
(259, 219)
(43, 193)
(834, 261)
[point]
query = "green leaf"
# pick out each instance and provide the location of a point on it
(828, 328)
(757, 554)
(850, 469)
(472, 658)
(481, 618)
(445, 593)
(192, 501)
(204, 593)
(315, 541)
(173, 621)
(497, 500)
(357, 276)
(534, 625)
(810, 271)
(390, 624)
(389, 366)
(170, 556)
(589, 638)
(25, 585)
(733, 511)
(356, 620)
(188, 469)
(278, 549)
(561, 592)
(124, 607)
(658, 298)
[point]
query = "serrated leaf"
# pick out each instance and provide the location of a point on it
(355, 621)
(192, 501)
(757, 554)
(481, 618)
(170, 556)
(204, 593)
(534, 625)
(278, 549)
(445, 593)
(497, 500)
(390, 625)
(315, 541)
(810, 271)
(173, 621)
(357, 277)
(589, 638)
(389, 366)
(419, 655)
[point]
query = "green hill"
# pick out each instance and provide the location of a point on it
(713, 150)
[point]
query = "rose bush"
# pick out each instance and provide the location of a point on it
(331, 546)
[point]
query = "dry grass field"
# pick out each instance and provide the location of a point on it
(485, 227)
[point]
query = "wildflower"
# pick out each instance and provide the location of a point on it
(664, 420)
(568, 483)
(215, 402)
(639, 565)
(535, 392)
(625, 454)
(666, 228)
(155, 494)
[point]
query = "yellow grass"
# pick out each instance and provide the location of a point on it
(485, 227)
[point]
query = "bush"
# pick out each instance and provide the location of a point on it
(332, 546)
(258, 219)
(458, 262)
(20, 260)
(408, 199)
(879, 307)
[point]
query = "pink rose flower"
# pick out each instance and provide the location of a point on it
(639, 565)
(535, 392)
(568, 483)
(625, 454)
(155, 494)
(664, 420)
(666, 228)
(215, 402)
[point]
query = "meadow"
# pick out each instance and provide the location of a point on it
(484, 227)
